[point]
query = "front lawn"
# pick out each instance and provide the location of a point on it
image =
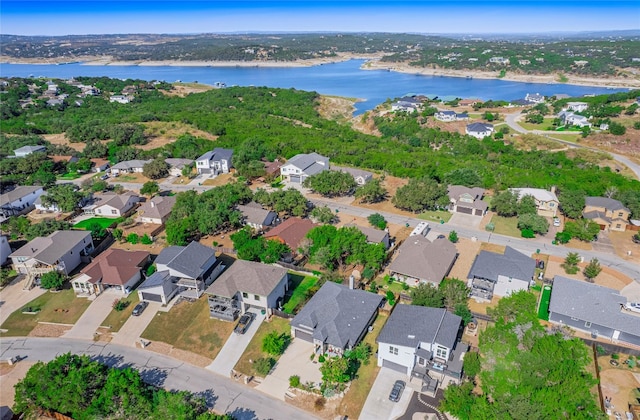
(356, 396)
(435, 216)
(102, 221)
(506, 226)
(187, 326)
(300, 285)
(116, 319)
(61, 307)
(70, 175)
(254, 349)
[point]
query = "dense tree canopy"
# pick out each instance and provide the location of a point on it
(421, 194)
(331, 183)
(65, 197)
(334, 247)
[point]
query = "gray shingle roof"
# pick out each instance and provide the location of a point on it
(353, 172)
(157, 279)
(607, 203)
(420, 258)
(337, 315)
(257, 215)
(130, 164)
(29, 149)
(167, 254)
(410, 325)
(513, 264)
(189, 260)
(247, 276)
(17, 193)
(373, 235)
(51, 248)
(593, 303)
(309, 163)
(218, 154)
(158, 207)
(479, 127)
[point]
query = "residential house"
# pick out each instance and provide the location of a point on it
(448, 116)
(5, 249)
(302, 166)
(129, 166)
(121, 99)
(607, 212)
(185, 270)
(407, 104)
(18, 201)
(244, 285)
(100, 165)
(374, 236)
(524, 62)
(469, 102)
(336, 318)
(360, 176)
(577, 106)
(419, 260)
(494, 274)
(534, 98)
(272, 169)
(499, 60)
(61, 251)
(27, 150)
(569, 118)
(256, 217)
(112, 205)
(55, 102)
(593, 309)
(467, 200)
(479, 130)
(291, 232)
(216, 161)
(546, 201)
(422, 343)
(176, 165)
(156, 210)
(53, 208)
(114, 269)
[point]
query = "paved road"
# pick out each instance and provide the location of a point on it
(222, 394)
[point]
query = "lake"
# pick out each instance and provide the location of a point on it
(339, 79)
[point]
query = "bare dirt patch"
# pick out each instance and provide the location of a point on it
(307, 402)
(219, 180)
(185, 356)
(49, 330)
(184, 89)
(618, 382)
(626, 145)
(335, 108)
(467, 251)
(608, 277)
(62, 140)
(623, 244)
(161, 133)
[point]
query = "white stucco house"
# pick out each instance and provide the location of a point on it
(18, 201)
(302, 166)
(479, 130)
(216, 161)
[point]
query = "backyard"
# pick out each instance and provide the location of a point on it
(187, 326)
(60, 307)
(102, 221)
(116, 319)
(299, 288)
(254, 349)
(543, 308)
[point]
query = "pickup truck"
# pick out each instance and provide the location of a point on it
(243, 323)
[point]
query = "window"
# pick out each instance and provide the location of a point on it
(421, 361)
(618, 226)
(393, 350)
(620, 214)
(114, 212)
(552, 204)
(256, 297)
(441, 352)
(587, 324)
(245, 295)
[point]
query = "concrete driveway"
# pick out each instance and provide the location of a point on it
(466, 220)
(294, 361)
(13, 297)
(92, 318)
(378, 405)
(236, 344)
(130, 332)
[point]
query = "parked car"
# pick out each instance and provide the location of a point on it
(103, 177)
(556, 222)
(140, 307)
(244, 322)
(541, 265)
(396, 391)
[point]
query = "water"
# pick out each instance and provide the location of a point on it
(340, 79)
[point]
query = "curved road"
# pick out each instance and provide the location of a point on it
(222, 394)
(512, 122)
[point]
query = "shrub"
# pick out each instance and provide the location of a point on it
(453, 236)
(615, 356)
(133, 238)
(52, 280)
(321, 358)
(319, 403)
(117, 234)
(601, 351)
(490, 227)
(151, 269)
(631, 362)
(120, 305)
(274, 343)
(527, 233)
(264, 365)
(294, 381)
(368, 273)
(373, 287)
(405, 286)
(146, 240)
(377, 220)
(391, 298)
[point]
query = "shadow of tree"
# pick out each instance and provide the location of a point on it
(243, 414)
(154, 376)
(210, 398)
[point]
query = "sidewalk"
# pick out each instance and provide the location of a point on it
(92, 318)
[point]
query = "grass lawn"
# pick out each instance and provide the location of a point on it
(62, 307)
(395, 287)
(70, 175)
(116, 319)
(103, 221)
(547, 125)
(435, 216)
(506, 226)
(543, 309)
(299, 286)
(356, 396)
(187, 326)
(7, 275)
(254, 349)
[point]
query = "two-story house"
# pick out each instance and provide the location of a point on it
(418, 260)
(495, 274)
(112, 205)
(467, 200)
(302, 166)
(479, 130)
(546, 201)
(606, 212)
(18, 201)
(214, 162)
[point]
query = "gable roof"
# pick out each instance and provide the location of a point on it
(310, 164)
(189, 260)
(255, 214)
(158, 207)
(512, 264)
(337, 315)
(50, 249)
(115, 266)
(373, 235)
(409, 325)
(16, 194)
(117, 201)
(217, 154)
(593, 303)
(422, 259)
(479, 127)
(353, 172)
(178, 162)
(247, 276)
(292, 231)
(130, 164)
(607, 203)
(159, 278)
(537, 193)
(29, 149)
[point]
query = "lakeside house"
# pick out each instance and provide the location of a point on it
(479, 130)
(302, 166)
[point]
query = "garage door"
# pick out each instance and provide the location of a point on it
(295, 178)
(465, 210)
(478, 212)
(151, 297)
(304, 336)
(394, 366)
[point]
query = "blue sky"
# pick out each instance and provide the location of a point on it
(424, 16)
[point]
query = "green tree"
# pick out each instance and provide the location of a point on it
(150, 188)
(592, 269)
(463, 311)
(117, 234)
(582, 229)
(64, 196)
(572, 202)
(52, 280)
(377, 220)
(571, 261)
(527, 205)
(464, 176)
(274, 343)
(471, 364)
(371, 192)
(421, 194)
(505, 203)
(97, 231)
(426, 294)
(533, 222)
(331, 183)
(453, 236)
(156, 169)
(535, 118)
(133, 238)
(323, 214)
(617, 129)
(99, 186)
(454, 292)
(335, 370)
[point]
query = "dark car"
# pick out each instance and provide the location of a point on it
(140, 307)
(541, 265)
(396, 391)
(243, 323)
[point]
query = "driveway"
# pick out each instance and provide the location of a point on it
(130, 332)
(378, 405)
(294, 361)
(92, 318)
(466, 220)
(14, 297)
(234, 347)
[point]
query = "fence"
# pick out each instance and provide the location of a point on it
(106, 243)
(281, 314)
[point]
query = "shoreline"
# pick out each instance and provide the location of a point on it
(372, 62)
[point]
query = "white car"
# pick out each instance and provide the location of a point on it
(632, 306)
(556, 222)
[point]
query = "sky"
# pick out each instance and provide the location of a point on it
(78, 17)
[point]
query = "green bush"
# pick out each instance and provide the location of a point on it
(527, 233)
(52, 280)
(631, 362)
(321, 358)
(264, 365)
(120, 305)
(391, 298)
(615, 356)
(133, 238)
(373, 287)
(294, 381)
(274, 343)
(151, 269)
(368, 273)
(146, 240)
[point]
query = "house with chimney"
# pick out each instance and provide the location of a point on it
(418, 260)
(156, 210)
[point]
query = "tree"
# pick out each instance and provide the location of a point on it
(592, 269)
(323, 214)
(371, 192)
(335, 370)
(527, 205)
(535, 118)
(505, 203)
(252, 169)
(331, 183)
(377, 220)
(572, 202)
(52, 280)
(582, 229)
(463, 311)
(533, 222)
(133, 238)
(453, 236)
(570, 264)
(617, 129)
(97, 231)
(274, 343)
(150, 188)
(426, 294)
(471, 363)
(421, 194)
(264, 365)
(454, 292)
(99, 186)
(117, 234)
(463, 176)
(187, 170)
(156, 169)
(64, 196)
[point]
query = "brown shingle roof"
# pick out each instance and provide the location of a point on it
(115, 266)
(422, 259)
(291, 231)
